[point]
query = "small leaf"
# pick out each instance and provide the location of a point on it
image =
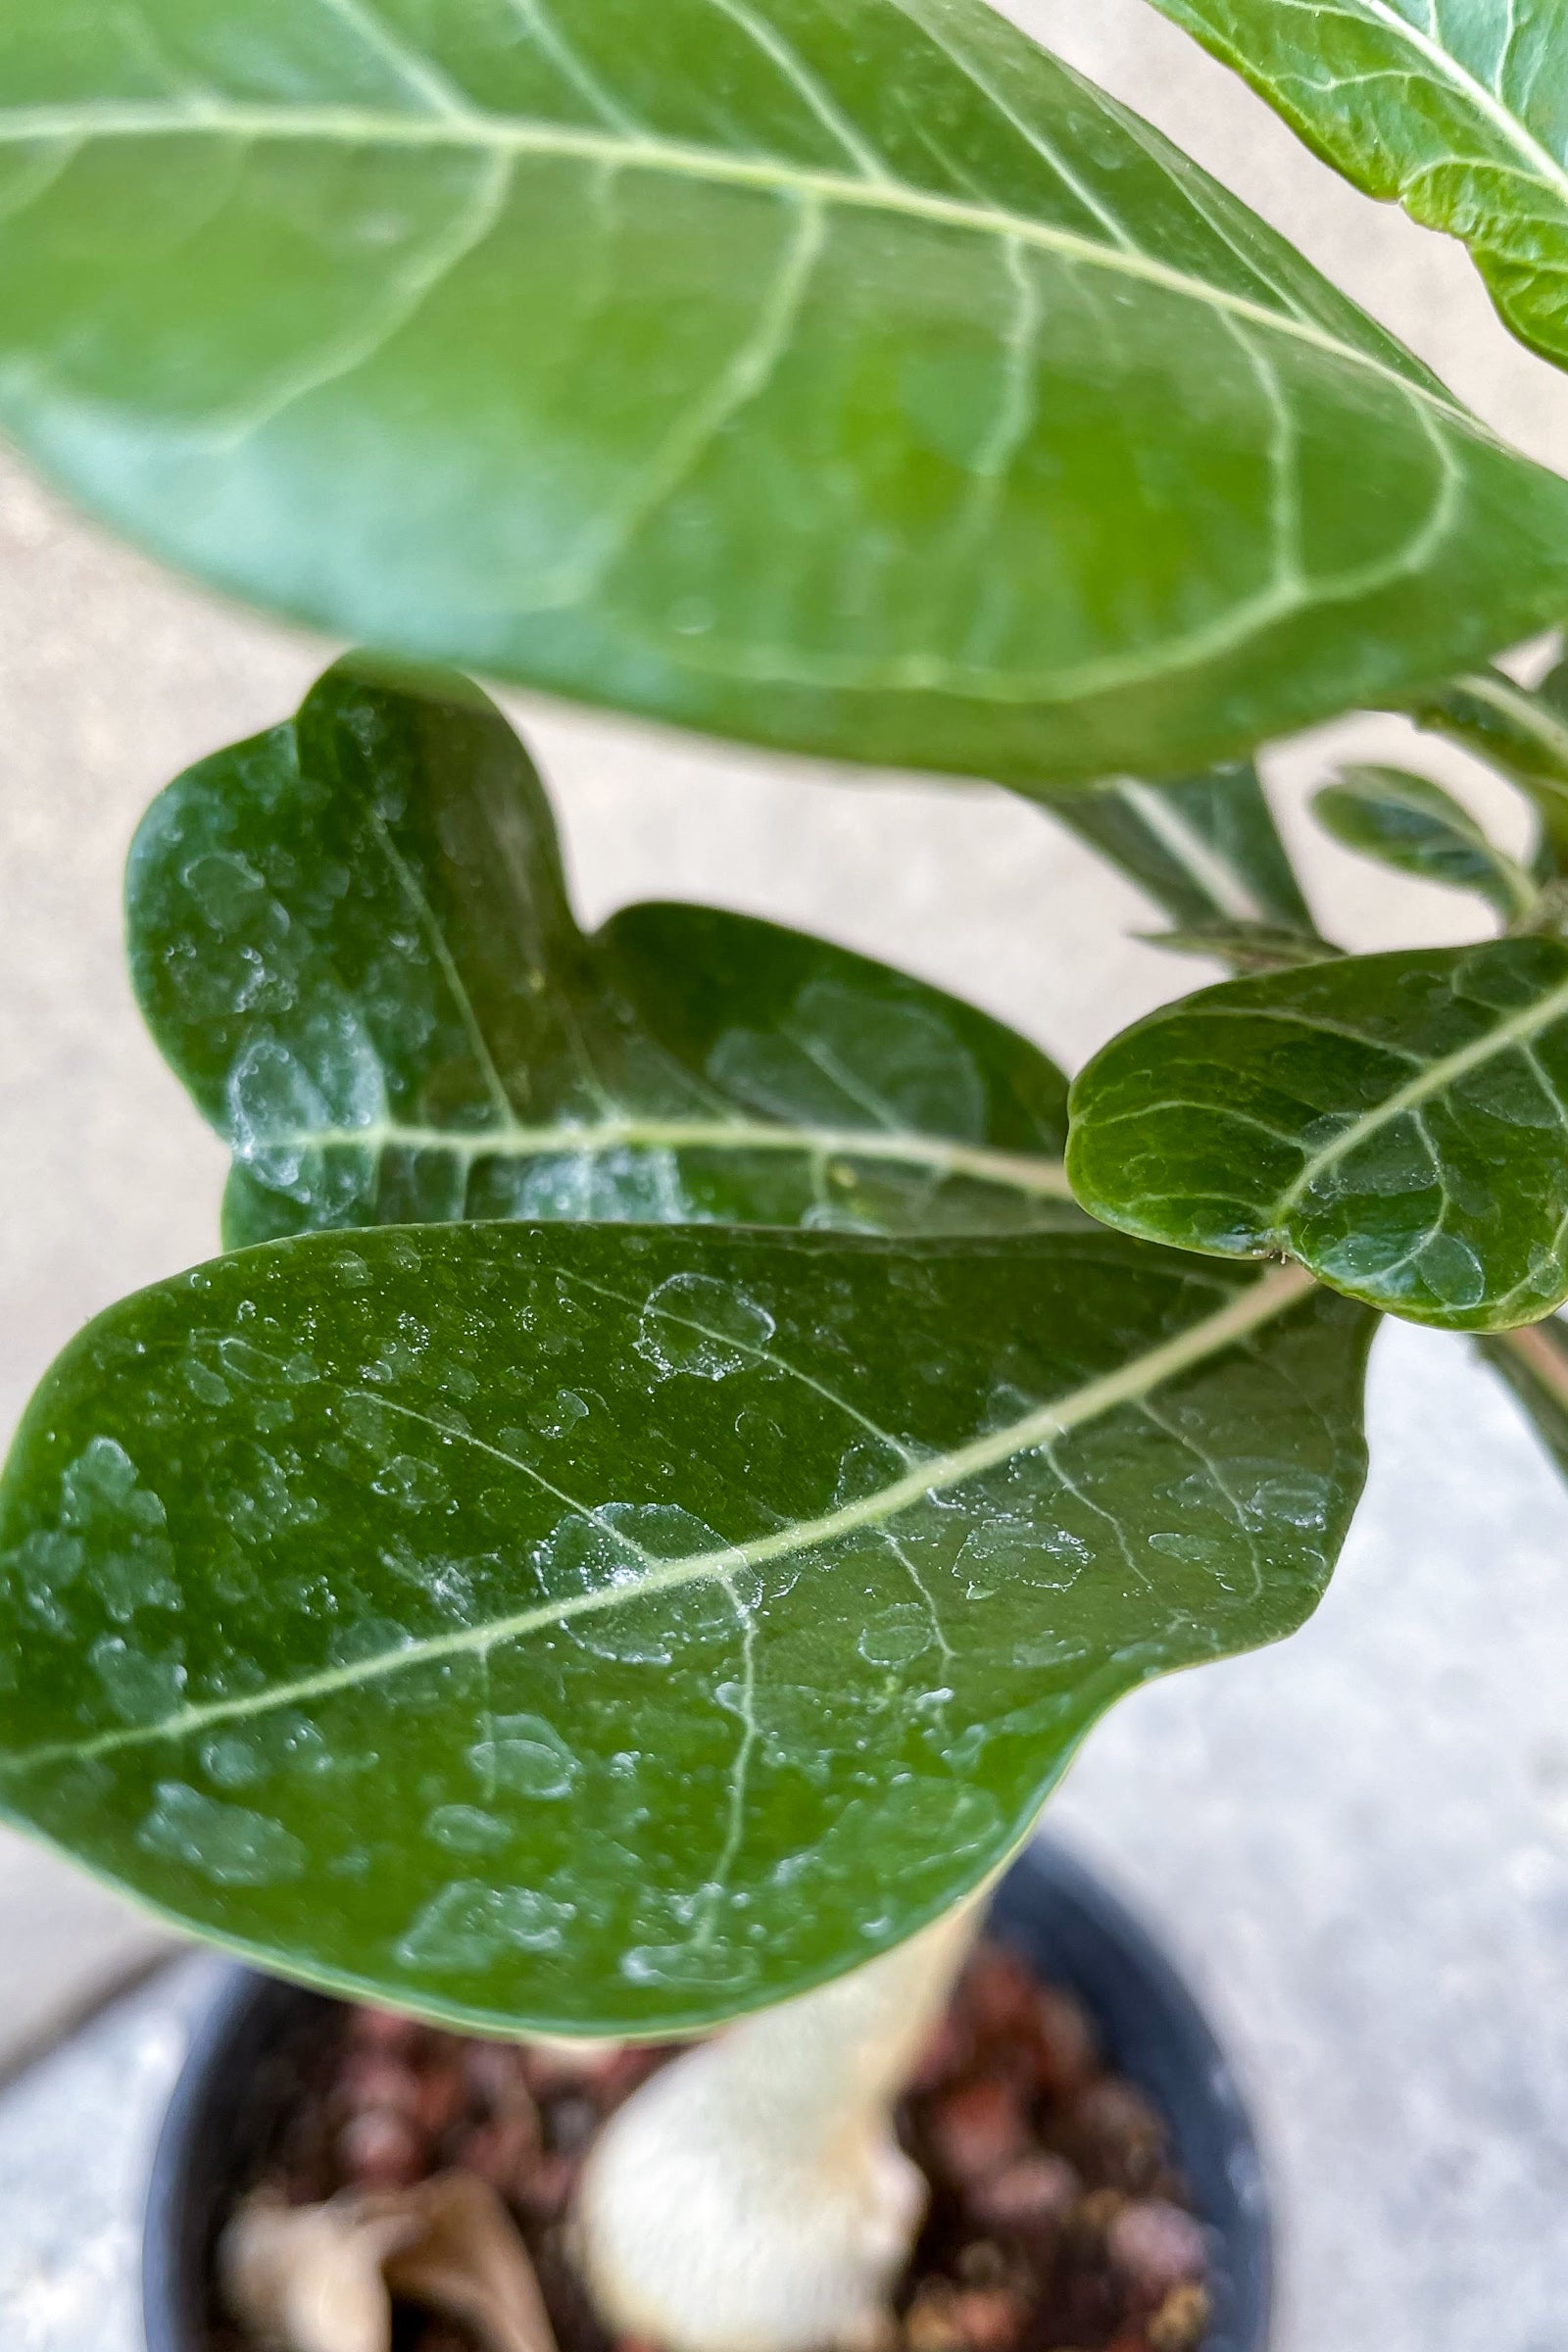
(1459, 113)
(1404, 822)
(1534, 1362)
(352, 939)
(610, 1629)
(1522, 732)
(845, 375)
(1245, 947)
(1399, 1123)
(1206, 849)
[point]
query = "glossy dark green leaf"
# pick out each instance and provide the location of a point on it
(1534, 1362)
(1521, 731)
(1457, 109)
(1399, 1123)
(352, 939)
(1205, 848)
(611, 1628)
(1406, 822)
(842, 374)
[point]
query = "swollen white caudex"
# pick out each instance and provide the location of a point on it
(752, 2196)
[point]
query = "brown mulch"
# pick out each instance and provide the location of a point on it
(1057, 2218)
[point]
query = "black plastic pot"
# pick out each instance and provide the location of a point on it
(226, 2101)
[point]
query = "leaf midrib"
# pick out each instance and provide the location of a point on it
(1489, 102)
(522, 136)
(1438, 1075)
(1018, 1171)
(1272, 1294)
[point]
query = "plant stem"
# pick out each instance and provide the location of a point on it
(752, 2196)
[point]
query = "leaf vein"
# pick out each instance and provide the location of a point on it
(1245, 1312)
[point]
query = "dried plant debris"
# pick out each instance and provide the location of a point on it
(322, 2277)
(416, 2167)
(311, 2277)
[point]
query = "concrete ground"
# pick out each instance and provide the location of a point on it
(1358, 1844)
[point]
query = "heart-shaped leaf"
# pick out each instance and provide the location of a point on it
(1460, 111)
(610, 1629)
(842, 374)
(352, 939)
(1399, 1123)
(1408, 822)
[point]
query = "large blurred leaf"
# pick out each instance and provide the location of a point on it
(1457, 107)
(1412, 824)
(1206, 850)
(1398, 1122)
(844, 374)
(604, 1628)
(353, 941)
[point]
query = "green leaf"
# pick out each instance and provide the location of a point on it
(1534, 1364)
(1522, 732)
(839, 375)
(352, 939)
(603, 1629)
(1205, 848)
(1404, 822)
(1399, 1123)
(1458, 111)
(1245, 947)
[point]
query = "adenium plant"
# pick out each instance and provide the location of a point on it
(691, 1427)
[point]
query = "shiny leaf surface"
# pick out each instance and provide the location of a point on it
(1457, 109)
(605, 1628)
(1399, 1122)
(353, 941)
(839, 375)
(1406, 822)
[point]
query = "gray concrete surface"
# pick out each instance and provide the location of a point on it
(76, 2139)
(1360, 1843)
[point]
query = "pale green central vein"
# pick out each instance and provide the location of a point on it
(1020, 1171)
(1438, 1075)
(1193, 854)
(1539, 159)
(1260, 1302)
(523, 136)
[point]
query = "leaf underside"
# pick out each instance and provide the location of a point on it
(1205, 848)
(352, 939)
(839, 375)
(1398, 1122)
(1456, 108)
(1521, 731)
(1413, 825)
(607, 1628)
